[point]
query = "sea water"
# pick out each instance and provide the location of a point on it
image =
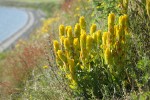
(11, 21)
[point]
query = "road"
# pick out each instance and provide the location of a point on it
(34, 20)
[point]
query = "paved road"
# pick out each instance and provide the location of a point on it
(34, 20)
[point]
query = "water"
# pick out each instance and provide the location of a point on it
(11, 20)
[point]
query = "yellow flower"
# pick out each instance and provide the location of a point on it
(82, 23)
(69, 32)
(76, 43)
(107, 56)
(62, 56)
(89, 43)
(93, 28)
(66, 29)
(71, 66)
(77, 30)
(111, 20)
(67, 43)
(45, 67)
(62, 39)
(99, 37)
(56, 45)
(83, 41)
(61, 30)
(104, 38)
(148, 8)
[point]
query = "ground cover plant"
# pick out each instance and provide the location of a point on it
(92, 49)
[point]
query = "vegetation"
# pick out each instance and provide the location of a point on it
(90, 49)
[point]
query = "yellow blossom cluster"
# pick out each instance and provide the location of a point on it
(77, 47)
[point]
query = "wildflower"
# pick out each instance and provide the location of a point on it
(77, 30)
(107, 56)
(61, 30)
(99, 35)
(69, 33)
(148, 8)
(67, 43)
(62, 56)
(76, 43)
(93, 28)
(89, 41)
(71, 66)
(111, 20)
(45, 67)
(104, 37)
(56, 45)
(66, 29)
(83, 41)
(62, 39)
(82, 23)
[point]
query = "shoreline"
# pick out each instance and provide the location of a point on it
(34, 21)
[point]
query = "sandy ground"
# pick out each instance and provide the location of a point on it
(34, 20)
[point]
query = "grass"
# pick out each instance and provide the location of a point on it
(46, 6)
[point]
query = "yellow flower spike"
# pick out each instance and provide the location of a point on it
(123, 21)
(82, 23)
(104, 37)
(99, 35)
(66, 29)
(94, 36)
(83, 41)
(89, 43)
(77, 30)
(71, 65)
(62, 39)
(61, 30)
(62, 56)
(72, 68)
(111, 20)
(148, 8)
(67, 44)
(93, 28)
(76, 43)
(69, 33)
(118, 33)
(56, 45)
(107, 56)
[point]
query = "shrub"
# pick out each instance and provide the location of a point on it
(96, 62)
